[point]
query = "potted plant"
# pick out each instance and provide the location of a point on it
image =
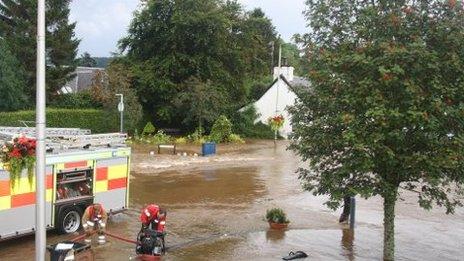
(277, 218)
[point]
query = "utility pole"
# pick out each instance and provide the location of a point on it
(278, 85)
(40, 233)
(272, 57)
(121, 110)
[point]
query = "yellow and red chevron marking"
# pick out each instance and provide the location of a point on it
(23, 193)
(110, 177)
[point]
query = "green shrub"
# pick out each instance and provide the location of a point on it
(161, 138)
(149, 129)
(80, 100)
(244, 125)
(98, 121)
(221, 130)
(276, 215)
(180, 140)
(197, 136)
(235, 138)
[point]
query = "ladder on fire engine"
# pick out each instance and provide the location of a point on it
(67, 138)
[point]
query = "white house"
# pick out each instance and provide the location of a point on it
(279, 96)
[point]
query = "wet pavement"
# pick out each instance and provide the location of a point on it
(216, 211)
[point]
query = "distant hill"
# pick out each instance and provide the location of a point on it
(102, 62)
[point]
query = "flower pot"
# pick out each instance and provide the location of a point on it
(278, 225)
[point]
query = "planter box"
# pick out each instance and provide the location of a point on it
(278, 225)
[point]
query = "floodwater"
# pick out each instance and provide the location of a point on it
(216, 212)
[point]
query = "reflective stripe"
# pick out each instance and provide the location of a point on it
(156, 220)
(90, 223)
(69, 258)
(147, 213)
(85, 225)
(163, 222)
(102, 224)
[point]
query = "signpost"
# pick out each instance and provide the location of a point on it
(40, 233)
(121, 110)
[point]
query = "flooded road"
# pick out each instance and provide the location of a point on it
(216, 210)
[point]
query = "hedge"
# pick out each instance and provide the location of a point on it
(98, 121)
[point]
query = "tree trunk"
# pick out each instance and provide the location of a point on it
(389, 224)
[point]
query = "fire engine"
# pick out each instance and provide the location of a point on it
(81, 169)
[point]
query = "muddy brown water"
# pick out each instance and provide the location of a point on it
(215, 212)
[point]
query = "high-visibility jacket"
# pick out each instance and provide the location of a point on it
(91, 215)
(149, 216)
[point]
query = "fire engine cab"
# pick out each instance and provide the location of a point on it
(81, 168)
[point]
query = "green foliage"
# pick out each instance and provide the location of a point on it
(149, 129)
(116, 79)
(18, 23)
(103, 62)
(257, 88)
(80, 100)
(386, 104)
(12, 96)
(98, 121)
(244, 125)
(199, 103)
(291, 53)
(276, 215)
(181, 140)
(161, 138)
(235, 138)
(86, 60)
(217, 42)
(197, 136)
(221, 130)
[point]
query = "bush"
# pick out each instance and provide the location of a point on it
(80, 100)
(180, 140)
(161, 138)
(244, 125)
(276, 215)
(221, 130)
(98, 121)
(235, 138)
(149, 129)
(197, 136)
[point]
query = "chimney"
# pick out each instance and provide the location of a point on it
(286, 71)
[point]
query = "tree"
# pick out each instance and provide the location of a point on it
(18, 27)
(169, 42)
(86, 60)
(200, 103)
(117, 79)
(386, 104)
(12, 95)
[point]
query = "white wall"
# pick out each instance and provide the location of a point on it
(266, 105)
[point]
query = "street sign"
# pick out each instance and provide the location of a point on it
(120, 107)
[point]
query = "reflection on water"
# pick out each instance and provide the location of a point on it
(347, 243)
(275, 235)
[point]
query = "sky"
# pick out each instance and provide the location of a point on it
(101, 23)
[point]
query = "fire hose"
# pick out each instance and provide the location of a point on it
(78, 238)
(121, 238)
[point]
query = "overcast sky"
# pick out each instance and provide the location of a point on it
(101, 23)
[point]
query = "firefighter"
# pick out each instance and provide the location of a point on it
(94, 219)
(153, 217)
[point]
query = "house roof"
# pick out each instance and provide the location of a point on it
(297, 83)
(82, 79)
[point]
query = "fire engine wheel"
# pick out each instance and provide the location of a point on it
(69, 220)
